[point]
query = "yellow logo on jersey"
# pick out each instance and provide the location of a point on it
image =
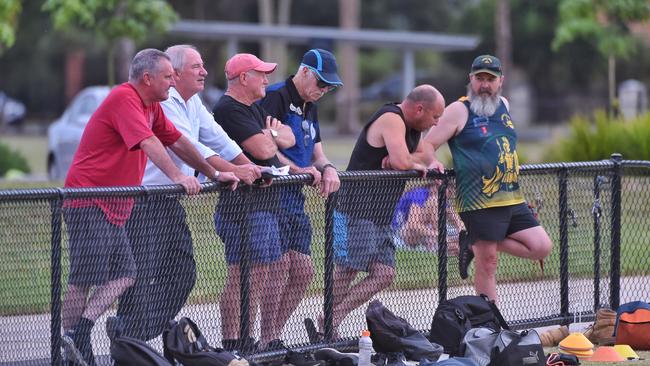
(505, 118)
(506, 171)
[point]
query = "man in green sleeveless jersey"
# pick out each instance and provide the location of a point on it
(483, 144)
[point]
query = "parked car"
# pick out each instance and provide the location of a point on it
(12, 111)
(64, 134)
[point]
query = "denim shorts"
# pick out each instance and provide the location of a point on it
(360, 242)
(295, 225)
(263, 240)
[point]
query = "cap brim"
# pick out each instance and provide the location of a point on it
(487, 71)
(332, 79)
(266, 67)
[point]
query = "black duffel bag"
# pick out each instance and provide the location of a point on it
(453, 318)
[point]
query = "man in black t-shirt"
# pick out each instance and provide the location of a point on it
(362, 236)
(259, 135)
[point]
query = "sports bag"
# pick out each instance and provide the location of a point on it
(633, 325)
(129, 351)
(453, 318)
(390, 333)
(503, 348)
(183, 342)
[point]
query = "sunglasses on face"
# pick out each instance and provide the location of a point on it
(322, 84)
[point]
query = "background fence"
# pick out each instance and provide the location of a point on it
(595, 212)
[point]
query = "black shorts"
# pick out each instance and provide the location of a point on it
(99, 250)
(497, 223)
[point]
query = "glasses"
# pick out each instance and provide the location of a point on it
(322, 84)
(306, 129)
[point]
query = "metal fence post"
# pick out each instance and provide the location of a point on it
(615, 264)
(442, 240)
(55, 281)
(328, 277)
(564, 243)
(244, 270)
(596, 211)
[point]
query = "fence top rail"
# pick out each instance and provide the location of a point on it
(69, 193)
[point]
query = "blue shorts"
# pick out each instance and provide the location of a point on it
(360, 242)
(295, 225)
(264, 243)
(99, 250)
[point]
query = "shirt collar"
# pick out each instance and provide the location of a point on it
(293, 93)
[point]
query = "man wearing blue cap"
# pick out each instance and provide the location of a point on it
(293, 102)
(483, 144)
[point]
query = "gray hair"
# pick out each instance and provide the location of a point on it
(176, 54)
(147, 60)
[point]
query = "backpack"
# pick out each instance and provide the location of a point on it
(184, 343)
(453, 318)
(128, 351)
(390, 333)
(503, 348)
(633, 325)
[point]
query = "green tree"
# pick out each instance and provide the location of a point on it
(9, 12)
(111, 20)
(605, 24)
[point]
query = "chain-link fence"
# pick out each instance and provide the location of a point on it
(257, 267)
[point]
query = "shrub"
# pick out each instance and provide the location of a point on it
(10, 159)
(598, 138)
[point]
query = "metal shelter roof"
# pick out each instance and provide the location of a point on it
(307, 34)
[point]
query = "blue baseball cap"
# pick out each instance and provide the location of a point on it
(324, 64)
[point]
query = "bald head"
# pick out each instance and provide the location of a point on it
(424, 94)
(423, 107)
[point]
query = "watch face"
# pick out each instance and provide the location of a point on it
(274, 133)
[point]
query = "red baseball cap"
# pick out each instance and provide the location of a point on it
(243, 62)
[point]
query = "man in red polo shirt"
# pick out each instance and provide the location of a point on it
(127, 128)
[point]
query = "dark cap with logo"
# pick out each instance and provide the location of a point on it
(324, 64)
(488, 64)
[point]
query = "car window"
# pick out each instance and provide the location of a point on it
(83, 108)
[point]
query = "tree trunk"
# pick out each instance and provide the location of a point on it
(347, 98)
(124, 52)
(611, 84)
(74, 73)
(504, 39)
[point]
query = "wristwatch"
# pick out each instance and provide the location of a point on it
(216, 174)
(274, 133)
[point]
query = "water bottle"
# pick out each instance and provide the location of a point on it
(365, 348)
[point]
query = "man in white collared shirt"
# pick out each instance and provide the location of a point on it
(165, 261)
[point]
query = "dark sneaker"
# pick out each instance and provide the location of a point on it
(314, 335)
(301, 359)
(333, 357)
(275, 345)
(396, 359)
(465, 254)
(71, 353)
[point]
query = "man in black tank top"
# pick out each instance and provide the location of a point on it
(362, 243)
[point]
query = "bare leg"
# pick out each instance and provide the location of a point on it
(379, 277)
(274, 284)
(485, 268)
(104, 296)
(301, 273)
(74, 303)
(533, 243)
(229, 303)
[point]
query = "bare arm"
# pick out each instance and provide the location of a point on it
(247, 172)
(188, 153)
(449, 125)
(389, 131)
(159, 156)
(285, 138)
(261, 146)
(330, 177)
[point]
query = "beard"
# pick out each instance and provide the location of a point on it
(483, 105)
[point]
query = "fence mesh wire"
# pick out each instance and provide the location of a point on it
(286, 254)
